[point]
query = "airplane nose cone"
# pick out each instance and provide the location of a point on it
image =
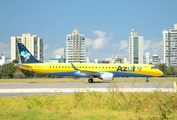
(161, 73)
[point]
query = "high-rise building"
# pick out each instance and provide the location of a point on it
(32, 42)
(135, 48)
(125, 61)
(155, 59)
(4, 60)
(57, 59)
(147, 58)
(169, 38)
(75, 47)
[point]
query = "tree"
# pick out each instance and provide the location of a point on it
(18, 73)
(170, 71)
(28, 74)
(7, 70)
(11, 71)
(162, 67)
(15, 61)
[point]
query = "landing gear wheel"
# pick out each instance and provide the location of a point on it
(90, 80)
(147, 80)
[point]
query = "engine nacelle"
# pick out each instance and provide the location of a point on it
(106, 76)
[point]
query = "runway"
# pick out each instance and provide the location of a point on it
(13, 89)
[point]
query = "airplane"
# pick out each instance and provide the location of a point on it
(90, 70)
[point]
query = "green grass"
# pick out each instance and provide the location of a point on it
(120, 79)
(90, 106)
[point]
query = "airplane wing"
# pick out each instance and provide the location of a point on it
(92, 74)
(88, 72)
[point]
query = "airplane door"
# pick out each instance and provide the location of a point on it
(46, 68)
(146, 69)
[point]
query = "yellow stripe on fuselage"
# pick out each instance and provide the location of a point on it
(67, 67)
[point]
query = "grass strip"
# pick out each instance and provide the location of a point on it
(90, 105)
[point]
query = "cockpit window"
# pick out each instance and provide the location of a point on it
(153, 67)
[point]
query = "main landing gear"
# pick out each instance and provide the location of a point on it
(147, 80)
(90, 80)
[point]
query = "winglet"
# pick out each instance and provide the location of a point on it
(74, 67)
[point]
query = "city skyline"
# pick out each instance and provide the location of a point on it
(106, 25)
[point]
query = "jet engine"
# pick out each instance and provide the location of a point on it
(106, 76)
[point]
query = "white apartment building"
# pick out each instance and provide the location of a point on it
(32, 42)
(169, 38)
(75, 47)
(4, 60)
(147, 58)
(155, 59)
(135, 48)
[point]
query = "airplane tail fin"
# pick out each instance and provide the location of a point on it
(25, 56)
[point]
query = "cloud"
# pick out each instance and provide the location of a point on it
(88, 42)
(3, 46)
(104, 46)
(147, 44)
(153, 47)
(46, 46)
(5, 49)
(59, 51)
(110, 48)
(101, 41)
(47, 51)
(100, 34)
(123, 45)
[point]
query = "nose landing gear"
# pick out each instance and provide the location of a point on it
(147, 80)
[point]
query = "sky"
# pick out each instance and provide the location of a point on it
(106, 24)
